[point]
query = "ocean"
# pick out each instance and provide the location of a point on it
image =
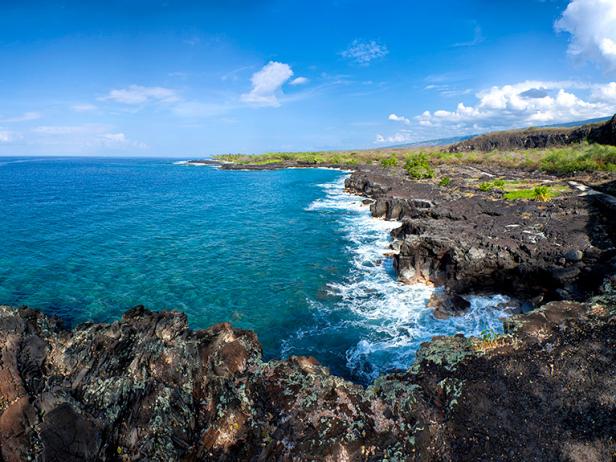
(285, 253)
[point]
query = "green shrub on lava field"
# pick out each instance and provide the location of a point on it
(418, 166)
(389, 162)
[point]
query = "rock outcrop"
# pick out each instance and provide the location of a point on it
(148, 388)
(602, 133)
(470, 242)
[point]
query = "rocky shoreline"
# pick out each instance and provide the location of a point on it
(474, 242)
(148, 387)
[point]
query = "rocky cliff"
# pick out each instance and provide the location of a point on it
(148, 388)
(471, 241)
(602, 133)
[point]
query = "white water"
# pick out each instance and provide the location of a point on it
(394, 318)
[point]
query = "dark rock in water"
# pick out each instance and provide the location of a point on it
(446, 305)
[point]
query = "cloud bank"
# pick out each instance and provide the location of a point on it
(528, 103)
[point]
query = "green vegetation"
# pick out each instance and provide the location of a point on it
(389, 162)
(563, 161)
(489, 339)
(490, 185)
(524, 190)
(445, 181)
(418, 166)
(540, 193)
(348, 158)
(584, 158)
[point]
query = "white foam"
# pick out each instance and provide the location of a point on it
(394, 316)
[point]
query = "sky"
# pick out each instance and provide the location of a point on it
(190, 79)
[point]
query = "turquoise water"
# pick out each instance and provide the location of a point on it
(285, 253)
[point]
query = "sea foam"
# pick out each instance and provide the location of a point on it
(394, 318)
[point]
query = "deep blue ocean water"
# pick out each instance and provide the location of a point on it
(286, 253)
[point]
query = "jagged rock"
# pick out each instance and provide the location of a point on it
(471, 242)
(147, 387)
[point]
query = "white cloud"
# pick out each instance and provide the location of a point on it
(137, 94)
(363, 53)
(299, 81)
(523, 104)
(267, 84)
(58, 130)
(606, 92)
(25, 117)
(528, 103)
(400, 137)
(83, 137)
(592, 25)
(399, 118)
(85, 107)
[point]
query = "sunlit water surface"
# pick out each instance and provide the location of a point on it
(286, 253)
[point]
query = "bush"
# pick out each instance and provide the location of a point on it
(389, 162)
(418, 167)
(445, 181)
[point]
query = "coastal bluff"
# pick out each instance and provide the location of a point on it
(147, 387)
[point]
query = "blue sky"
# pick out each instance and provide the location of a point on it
(186, 79)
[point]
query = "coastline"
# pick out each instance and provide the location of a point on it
(147, 386)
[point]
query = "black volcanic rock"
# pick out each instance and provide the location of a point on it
(148, 388)
(603, 133)
(472, 242)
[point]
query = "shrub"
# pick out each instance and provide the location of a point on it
(418, 167)
(445, 181)
(389, 162)
(542, 193)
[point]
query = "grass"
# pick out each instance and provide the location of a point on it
(524, 190)
(540, 193)
(562, 161)
(490, 185)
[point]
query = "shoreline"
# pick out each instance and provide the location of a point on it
(148, 386)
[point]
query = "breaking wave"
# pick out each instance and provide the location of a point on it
(385, 319)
